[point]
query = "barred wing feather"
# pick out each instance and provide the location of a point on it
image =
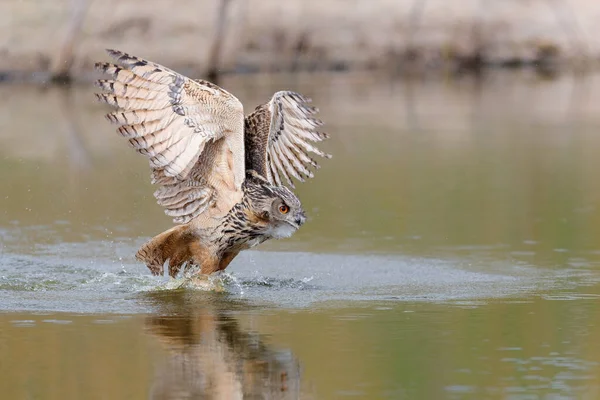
(191, 131)
(279, 137)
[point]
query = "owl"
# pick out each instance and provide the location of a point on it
(220, 175)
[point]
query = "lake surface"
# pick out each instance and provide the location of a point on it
(452, 252)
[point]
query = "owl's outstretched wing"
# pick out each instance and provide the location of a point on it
(278, 137)
(191, 131)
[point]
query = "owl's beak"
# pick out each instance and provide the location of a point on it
(300, 218)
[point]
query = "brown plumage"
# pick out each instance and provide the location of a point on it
(220, 173)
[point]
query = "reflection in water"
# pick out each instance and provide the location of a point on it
(211, 355)
(79, 155)
(508, 161)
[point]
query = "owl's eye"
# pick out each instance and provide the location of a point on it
(284, 209)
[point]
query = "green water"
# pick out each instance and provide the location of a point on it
(451, 252)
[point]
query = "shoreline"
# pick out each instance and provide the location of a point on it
(65, 37)
(408, 70)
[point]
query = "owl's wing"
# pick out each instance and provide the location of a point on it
(278, 137)
(191, 131)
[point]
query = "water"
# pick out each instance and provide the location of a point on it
(451, 252)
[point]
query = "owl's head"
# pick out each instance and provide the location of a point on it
(285, 213)
(278, 208)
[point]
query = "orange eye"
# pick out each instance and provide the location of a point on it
(284, 209)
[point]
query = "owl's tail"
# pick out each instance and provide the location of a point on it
(172, 245)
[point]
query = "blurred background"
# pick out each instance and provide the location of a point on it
(269, 35)
(451, 250)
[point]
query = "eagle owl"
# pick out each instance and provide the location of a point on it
(220, 173)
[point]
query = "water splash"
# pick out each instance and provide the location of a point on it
(103, 277)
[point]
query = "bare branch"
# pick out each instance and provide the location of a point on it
(61, 68)
(214, 57)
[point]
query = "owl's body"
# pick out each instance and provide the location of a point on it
(213, 243)
(219, 171)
